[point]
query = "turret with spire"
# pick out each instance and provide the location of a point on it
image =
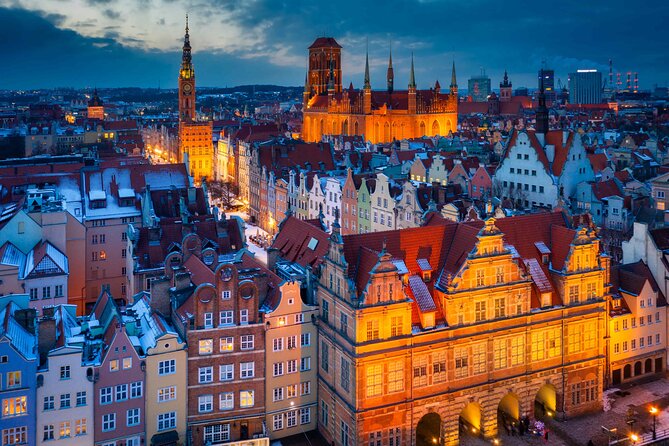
(412, 89)
(390, 75)
(454, 82)
(541, 126)
(505, 89)
(186, 58)
(367, 88)
(186, 82)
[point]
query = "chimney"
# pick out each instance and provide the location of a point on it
(26, 318)
(181, 281)
(160, 296)
(47, 336)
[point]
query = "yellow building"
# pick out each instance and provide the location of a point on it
(379, 116)
(290, 363)
(96, 108)
(166, 362)
(195, 138)
(637, 325)
(428, 334)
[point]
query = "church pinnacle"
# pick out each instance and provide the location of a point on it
(412, 76)
(367, 85)
(454, 82)
(390, 75)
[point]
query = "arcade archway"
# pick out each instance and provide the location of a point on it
(428, 430)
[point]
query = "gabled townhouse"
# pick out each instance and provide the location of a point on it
(166, 363)
(409, 210)
(119, 375)
(216, 312)
(606, 202)
(65, 393)
(367, 188)
(316, 197)
(382, 204)
(637, 325)
(652, 247)
(349, 205)
(18, 371)
(290, 362)
(333, 195)
(480, 183)
(540, 169)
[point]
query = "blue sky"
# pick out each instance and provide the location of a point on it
(113, 43)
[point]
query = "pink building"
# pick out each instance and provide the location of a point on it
(480, 184)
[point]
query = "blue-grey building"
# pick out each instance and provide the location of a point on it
(18, 371)
(585, 87)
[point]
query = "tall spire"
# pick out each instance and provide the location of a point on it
(186, 58)
(542, 112)
(367, 85)
(454, 82)
(390, 75)
(412, 76)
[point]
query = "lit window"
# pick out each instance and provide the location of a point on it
(206, 346)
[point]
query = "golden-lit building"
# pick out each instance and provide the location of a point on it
(96, 108)
(380, 115)
(195, 137)
(429, 334)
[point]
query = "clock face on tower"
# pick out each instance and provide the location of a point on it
(187, 88)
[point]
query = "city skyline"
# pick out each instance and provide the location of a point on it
(134, 43)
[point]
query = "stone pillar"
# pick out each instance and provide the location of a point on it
(489, 421)
(450, 431)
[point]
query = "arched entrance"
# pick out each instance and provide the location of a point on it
(428, 430)
(470, 420)
(637, 368)
(545, 403)
(627, 371)
(648, 367)
(508, 413)
(422, 129)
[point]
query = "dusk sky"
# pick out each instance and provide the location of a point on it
(114, 43)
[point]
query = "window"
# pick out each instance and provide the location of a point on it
(46, 292)
(13, 379)
(480, 277)
(657, 338)
(277, 344)
(305, 415)
(625, 346)
(344, 434)
(226, 344)
(48, 432)
(208, 320)
(113, 365)
(624, 324)
(121, 392)
(127, 363)
(278, 368)
(299, 318)
(167, 394)
(226, 401)
(395, 376)
(396, 326)
(291, 366)
(243, 316)
(106, 395)
(480, 311)
(305, 388)
(205, 374)
(226, 372)
(225, 295)
(277, 422)
(305, 339)
(108, 422)
(291, 342)
(479, 358)
(81, 398)
(206, 346)
(305, 363)
(64, 372)
(246, 370)
(616, 348)
(374, 380)
(633, 344)
(517, 350)
(246, 342)
(291, 418)
(325, 311)
(49, 403)
(33, 293)
(15, 435)
(167, 367)
(461, 363)
(217, 433)
(500, 307)
(324, 413)
(103, 255)
(583, 392)
(277, 394)
(132, 417)
(345, 374)
(167, 421)
(205, 403)
(500, 353)
(226, 318)
(373, 330)
(575, 333)
(246, 398)
(499, 274)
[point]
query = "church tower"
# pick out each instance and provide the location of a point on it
(324, 54)
(454, 82)
(186, 82)
(505, 89)
(96, 109)
(390, 77)
(541, 126)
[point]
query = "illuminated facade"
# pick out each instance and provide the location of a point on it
(96, 108)
(380, 116)
(195, 138)
(428, 334)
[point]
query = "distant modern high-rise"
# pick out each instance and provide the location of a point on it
(585, 87)
(548, 77)
(479, 88)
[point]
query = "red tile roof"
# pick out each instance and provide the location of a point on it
(293, 240)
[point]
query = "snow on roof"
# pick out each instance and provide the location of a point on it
(13, 256)
(126, 193)
(20, 338)
(97, 195)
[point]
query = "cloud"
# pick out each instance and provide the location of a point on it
(265, 41)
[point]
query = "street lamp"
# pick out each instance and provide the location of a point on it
(634, 438)
(653, 412)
